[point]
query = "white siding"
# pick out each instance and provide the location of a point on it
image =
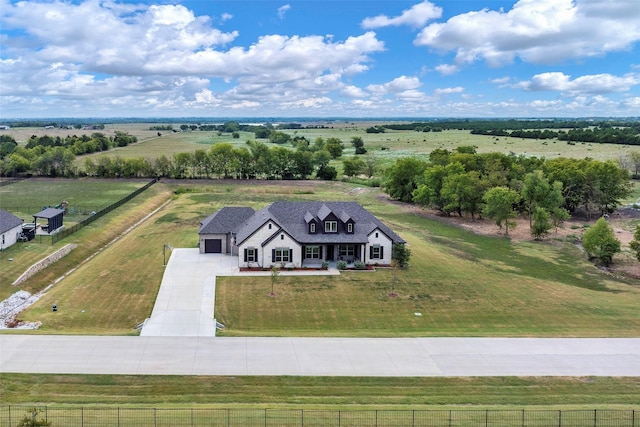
(10, 237)
(385, 242)
(257, 239)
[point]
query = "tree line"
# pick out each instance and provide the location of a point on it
(500, 186)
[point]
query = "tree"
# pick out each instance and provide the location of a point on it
(403, 177)
(558, 216)
(499, 202)
(334, 147)
(353, 166)
(600, 242)
(538, 192)
(274, 279)
(635, 243)
(400, 255)
(541, 223)
(32, 420)
(358, 144)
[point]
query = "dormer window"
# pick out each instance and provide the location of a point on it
(312, 228)
(331, 226)
(350, 227)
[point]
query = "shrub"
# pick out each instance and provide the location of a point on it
(325, 265)
(342, 265)
(359, 265)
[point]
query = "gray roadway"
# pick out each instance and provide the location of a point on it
(319, 356)
(179, 339)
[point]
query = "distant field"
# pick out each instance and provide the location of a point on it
(385, 147)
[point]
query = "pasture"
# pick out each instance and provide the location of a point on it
(384, 147)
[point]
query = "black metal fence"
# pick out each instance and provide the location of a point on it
(151, 417)
(56, 237)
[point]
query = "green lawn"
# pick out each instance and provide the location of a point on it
(320, 392)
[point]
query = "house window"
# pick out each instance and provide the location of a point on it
(347, 251)
(376, 252)
(376, 235)
(312, 252)
(349, 228)
(331, 227)
(250, 255)
(282, 255)
(282, 237)
(312, 227)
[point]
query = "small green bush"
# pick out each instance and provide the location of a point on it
(341, 265)
(359, 265)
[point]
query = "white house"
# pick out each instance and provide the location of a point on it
(296, 234)
(10, 229)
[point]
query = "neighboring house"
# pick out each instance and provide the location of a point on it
(10, 229)
(296, 234)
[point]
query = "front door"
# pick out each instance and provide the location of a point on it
(330, 256)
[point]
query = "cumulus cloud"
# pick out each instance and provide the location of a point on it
(159, 56)
(397, 85)
(417, 16)
(585, 85)
(537, 31)
(447, 69)
(448, 90)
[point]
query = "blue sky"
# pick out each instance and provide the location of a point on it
(327, 58)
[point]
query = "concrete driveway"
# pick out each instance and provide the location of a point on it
(184, 306)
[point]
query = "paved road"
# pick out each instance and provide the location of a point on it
(400, 357)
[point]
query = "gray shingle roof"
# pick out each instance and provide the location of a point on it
(49, 213)
(8, 221)
(291, 217)
(226, 220)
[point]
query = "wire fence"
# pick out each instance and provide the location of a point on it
(67, 231)
(152, 417)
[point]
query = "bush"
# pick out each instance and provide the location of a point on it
(325, 265)
(341, 265)
(359, 265)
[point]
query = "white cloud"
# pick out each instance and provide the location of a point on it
(584, 85)
(397, 85)
(447, 69)
(537, 31)
(353, 92)
(417, 16)
(448, 90)
(282, 10)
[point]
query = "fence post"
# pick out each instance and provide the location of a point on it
(595, 418)
(265, 417)
(559, 417)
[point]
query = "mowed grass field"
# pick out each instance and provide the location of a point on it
(461, 283)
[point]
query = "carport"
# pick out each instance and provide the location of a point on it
(53, 217)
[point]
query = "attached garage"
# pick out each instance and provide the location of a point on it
(217, 232)
(212, 246)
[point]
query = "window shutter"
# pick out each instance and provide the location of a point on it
(381, 252)
(370, 252)
(290, 255)
(320, 252)
(245, 255)
(273, 255)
